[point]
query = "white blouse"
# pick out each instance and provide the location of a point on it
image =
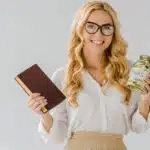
(100, 109)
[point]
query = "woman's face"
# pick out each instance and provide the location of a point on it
(96, 40)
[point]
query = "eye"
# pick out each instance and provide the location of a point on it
(90, 26)
(108, 27)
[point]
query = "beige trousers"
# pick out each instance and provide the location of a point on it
(95, 141)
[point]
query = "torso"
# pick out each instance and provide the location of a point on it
(96, 75)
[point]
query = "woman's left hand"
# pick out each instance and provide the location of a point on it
(146, 96)
(144, 105)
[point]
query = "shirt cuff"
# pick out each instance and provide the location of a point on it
(139, 123)
(44, 134)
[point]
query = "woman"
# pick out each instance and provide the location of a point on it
(99, 108)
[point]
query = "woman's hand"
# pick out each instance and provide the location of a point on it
(146, 96)
(36, 102)
(144, 105)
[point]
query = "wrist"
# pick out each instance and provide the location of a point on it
(144, 108)
(43, 115)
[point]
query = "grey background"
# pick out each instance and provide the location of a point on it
(37, 31)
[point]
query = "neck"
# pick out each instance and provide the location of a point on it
(93, 62)
(93, 59)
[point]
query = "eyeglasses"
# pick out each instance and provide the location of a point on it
(106, 29)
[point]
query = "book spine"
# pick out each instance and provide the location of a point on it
(27, 90)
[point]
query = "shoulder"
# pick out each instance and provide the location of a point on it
(130, 62)
(58, 73)
(58, 76)
(135, 97)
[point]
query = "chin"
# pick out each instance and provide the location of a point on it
(99, 49)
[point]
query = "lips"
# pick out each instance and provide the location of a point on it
(97, 42)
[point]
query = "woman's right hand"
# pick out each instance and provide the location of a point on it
(36, 102)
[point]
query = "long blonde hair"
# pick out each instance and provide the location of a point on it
(115, 72)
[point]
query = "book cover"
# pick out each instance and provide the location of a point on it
(34, 80)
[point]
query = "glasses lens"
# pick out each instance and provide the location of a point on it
(91, 27)
(108, 29)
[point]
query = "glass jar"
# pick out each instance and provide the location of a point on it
(138, 74)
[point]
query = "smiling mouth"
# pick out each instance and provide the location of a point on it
(97, 42)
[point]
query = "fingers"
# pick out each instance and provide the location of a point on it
(147, 81)
(34, 95)
(36, 102)
(147, 87)
(38, 108)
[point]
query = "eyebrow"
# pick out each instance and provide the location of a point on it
(105, 24)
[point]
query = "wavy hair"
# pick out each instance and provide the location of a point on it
(115, 72)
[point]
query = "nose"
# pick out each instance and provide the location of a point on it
(99, 34)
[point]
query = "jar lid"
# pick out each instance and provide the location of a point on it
(145, 57)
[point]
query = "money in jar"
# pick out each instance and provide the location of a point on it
(138, 74)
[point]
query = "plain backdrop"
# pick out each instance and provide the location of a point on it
(37, 31)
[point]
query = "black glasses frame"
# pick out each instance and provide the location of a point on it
(99, 28)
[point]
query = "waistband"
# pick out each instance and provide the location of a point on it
(96, 134)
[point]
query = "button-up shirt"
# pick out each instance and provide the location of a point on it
(100, 109)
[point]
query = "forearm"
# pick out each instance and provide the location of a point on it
(57, 129)
(144, 109)
(47, 121)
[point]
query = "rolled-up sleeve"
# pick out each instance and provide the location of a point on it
(138, 122)
(58, 132)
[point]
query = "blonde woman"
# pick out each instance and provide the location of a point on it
(99, 108)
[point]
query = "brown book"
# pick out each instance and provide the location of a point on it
(34, 80)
